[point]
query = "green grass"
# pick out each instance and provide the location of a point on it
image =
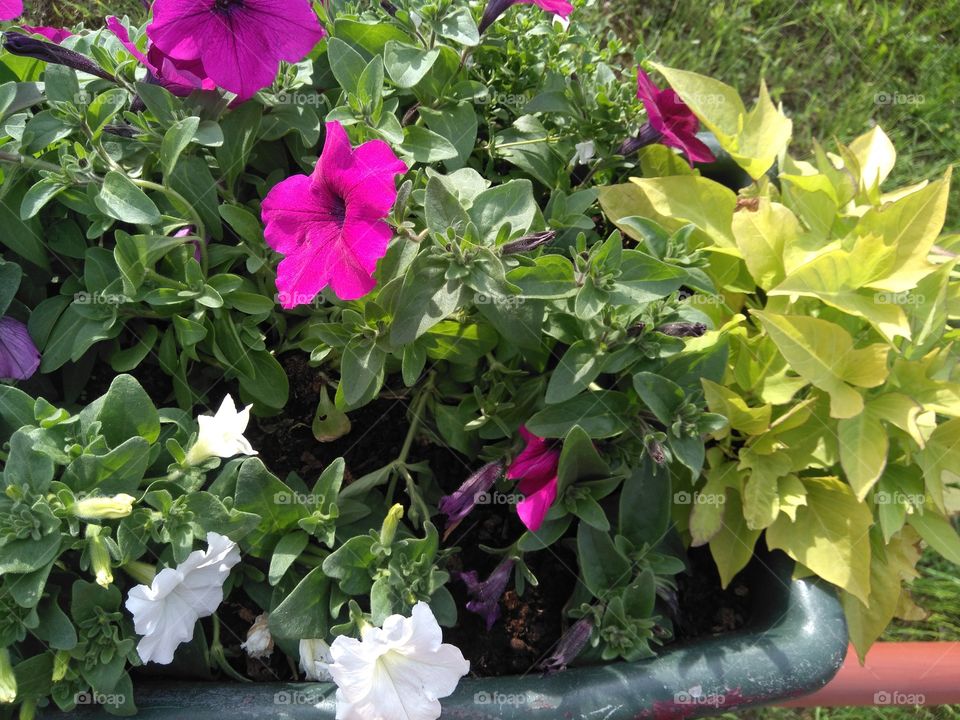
(64, 13)
(839, 67)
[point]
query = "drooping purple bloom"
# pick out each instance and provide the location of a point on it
(485, 596)
(669, 122)
(683, 329)
(496, 8)
(179, 77)
(461, 501)
(238, 43)
(20, 44)
(19, 357)
(572, 643)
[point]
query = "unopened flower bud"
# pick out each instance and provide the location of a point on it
(26, 46)
(8, 681)
(528, 242)
(104, 508)
(389, 528)
(683, 329)
(61, 662)
(100, 561)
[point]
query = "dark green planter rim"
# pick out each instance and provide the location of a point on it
(794, 645)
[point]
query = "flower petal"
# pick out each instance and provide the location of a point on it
(19, 357)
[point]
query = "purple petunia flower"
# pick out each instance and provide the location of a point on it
(331, 225)
(669, 122)
(57, 35)
(27, 46)
(461, 501)
(19, 358)
(536, 469)
(238, 43)
(496, 8)
(485, 596)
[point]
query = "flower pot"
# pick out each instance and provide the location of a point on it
(794, 643)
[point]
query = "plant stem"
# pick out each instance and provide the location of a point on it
(218, 656)
(201, 230)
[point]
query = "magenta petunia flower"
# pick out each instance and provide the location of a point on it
(536, 469)
(496, 8)
(238, 43)
(669, 122)
(19, 358)
(10, 9)
(57, 35)
(330, 225)
(179, 77)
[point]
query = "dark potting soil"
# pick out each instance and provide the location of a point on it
(530, 624)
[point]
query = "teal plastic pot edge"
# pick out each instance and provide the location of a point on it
(794, 648)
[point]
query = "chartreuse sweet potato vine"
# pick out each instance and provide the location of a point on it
(834, 318)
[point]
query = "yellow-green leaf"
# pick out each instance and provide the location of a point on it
(823, 354)
(830, 535)
(940, 460)
(888, 571)
(762, 236)
(754, 139)
(876, 156)
(863, 450)
(745, 419)
(732, 546)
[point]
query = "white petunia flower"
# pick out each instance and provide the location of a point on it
(222, 434)
(585, 152)
(166, 611)
(259, 642)
(397, 672)
(315, 660)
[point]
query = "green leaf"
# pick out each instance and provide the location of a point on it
(406, 64)
(285, 553)
(762, 237)
(579, 461)
(459, 26)
(120, 199)
(601, 413)
(304, 612)
(426, 297)
(831, 535)
(361, 370)
(442, 209)
(732, 545)
(863, 450)
(127, 411)
(426, 146)
(175, 141)
(602, 566)
(346, 63)
(512, 202)
(662, 396)
(260, 492)
(38, 196)
(549, 278)
(578, 367)
(458, 124)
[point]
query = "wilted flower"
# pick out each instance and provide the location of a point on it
(669, 122)
(585, 152)
(572, 643)
(19, 357)
(238, 43)
(485, 596)
(20, 44)
(398, 672)
(259, 642)
(104, 508)
(496, 8)
(10, 9)
(461, 501)
(222, 434)
(315, 660)
(536, 469)
(330, 225)
(166, 611)
(180, 77)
